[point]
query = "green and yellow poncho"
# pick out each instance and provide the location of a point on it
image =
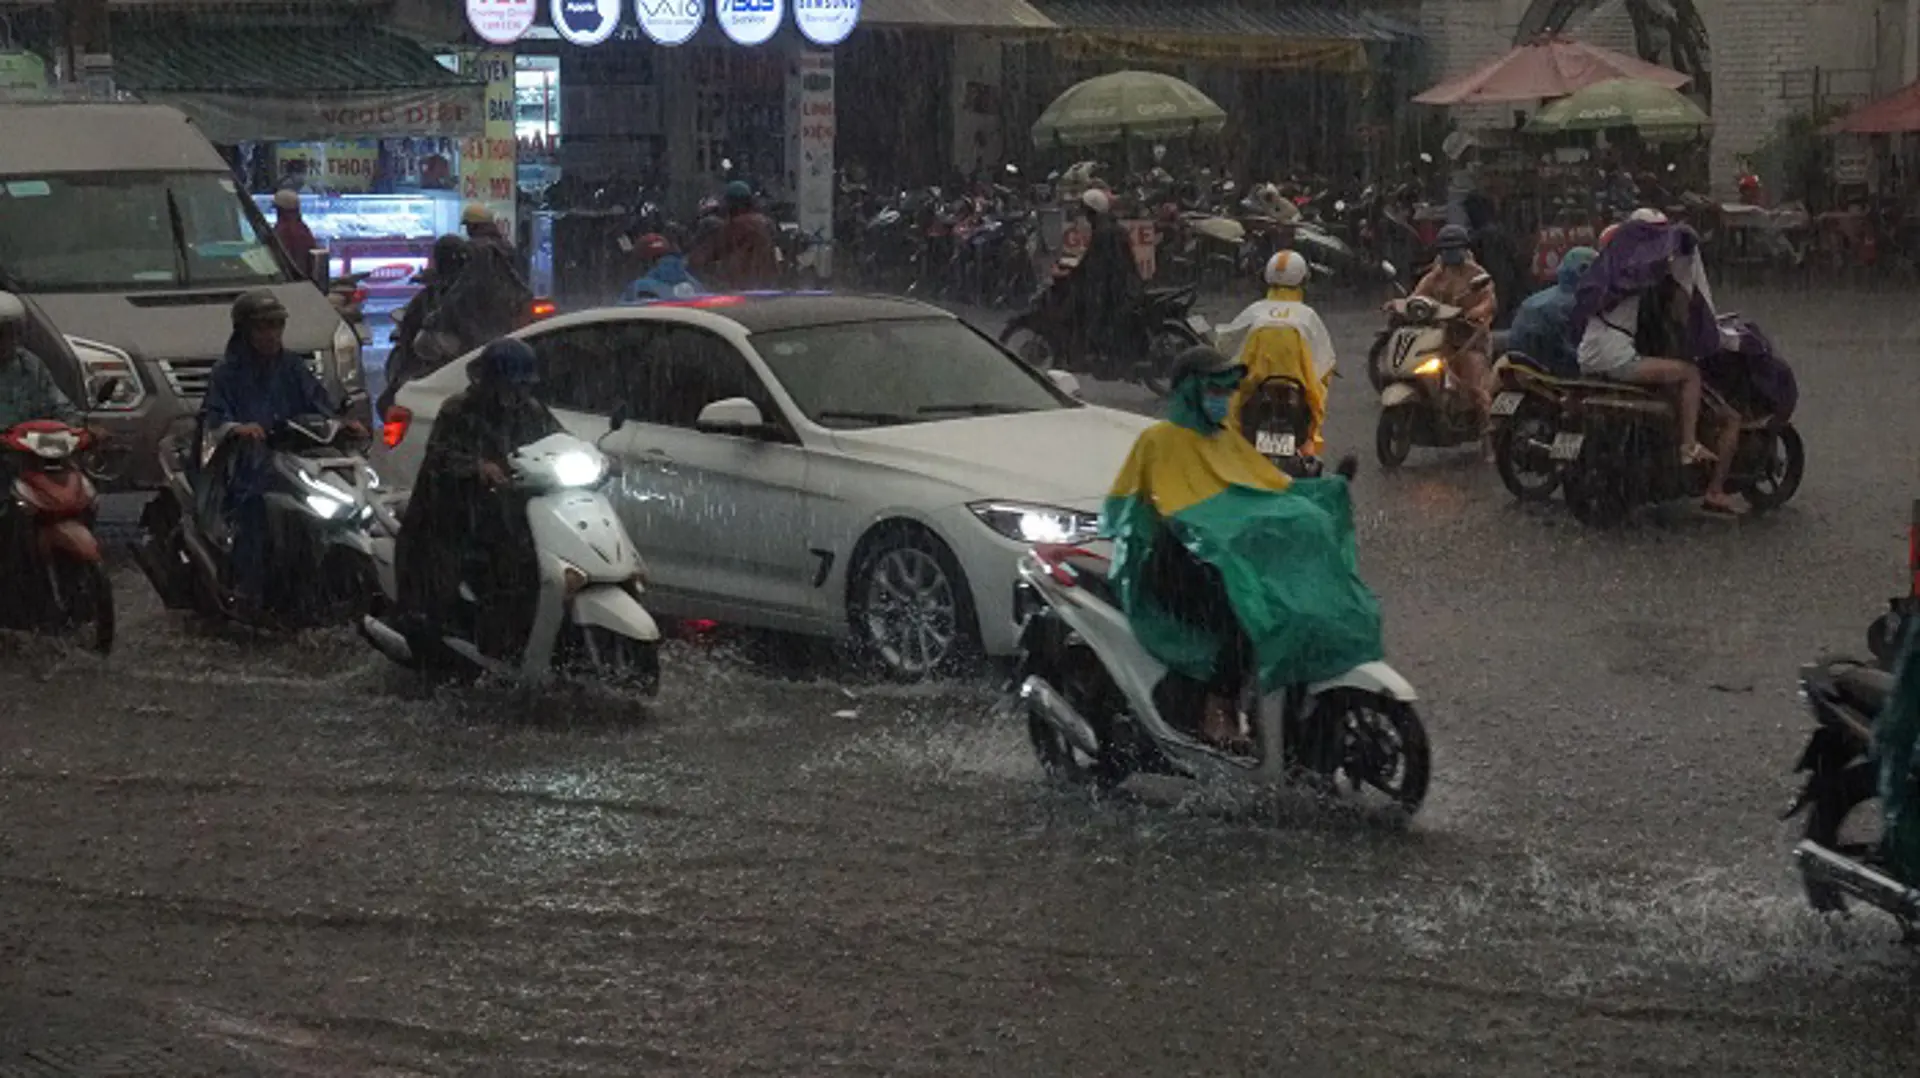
(1284, 548)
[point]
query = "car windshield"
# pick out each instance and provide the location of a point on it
(883, 374)
(131, 231)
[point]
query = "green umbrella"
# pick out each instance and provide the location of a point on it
(1125, 105)
(1645, 106)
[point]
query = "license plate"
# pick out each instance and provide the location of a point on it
(1273, 445)
(1566, 446)
(1506, 404)
(1199, 325)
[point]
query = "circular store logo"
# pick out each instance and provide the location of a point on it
(586, 22)
(500, 22)
(826, 22)
(670, 22)
(750, 22)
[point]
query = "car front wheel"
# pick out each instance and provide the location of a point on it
(909, 607)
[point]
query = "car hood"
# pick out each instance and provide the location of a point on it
(185, 324)
(1067, 458)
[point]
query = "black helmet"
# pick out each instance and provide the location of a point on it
(450, 252)
(508, 361)
(1453, 236)
(257, 307)
(1201, 361)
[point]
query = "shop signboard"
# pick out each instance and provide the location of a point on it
(810, 85)
(826, 22)
(350, 165)
(501, 22)
(586, 22)
(442, 112)
(670, 22)
(747, 22)
(489, 165)
(1143, 236)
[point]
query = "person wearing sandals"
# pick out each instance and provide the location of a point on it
(1648, 316)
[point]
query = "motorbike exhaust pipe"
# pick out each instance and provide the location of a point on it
(386, 640)
(1858, 880)
(1045, 701)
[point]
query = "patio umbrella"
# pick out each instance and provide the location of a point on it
(1127, 105)
(1644, 106)
(1895, 114)
(1553, 67)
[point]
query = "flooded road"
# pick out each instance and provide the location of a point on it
(285, 858)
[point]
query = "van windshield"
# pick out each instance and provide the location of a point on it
(131, 231)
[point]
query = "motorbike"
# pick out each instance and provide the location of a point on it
(1277, 420)
(1883, 636)
(1617, 450)
(1843, 777)
(1043, 334)
(1523, 423)
(1421, 401)
(320, 501)
(588, 616)
(51, 558)
(1099, 709)
(348, 295)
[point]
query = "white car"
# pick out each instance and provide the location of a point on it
(827, 465)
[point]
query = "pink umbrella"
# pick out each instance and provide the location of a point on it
(1892, 115)
(1551, 67)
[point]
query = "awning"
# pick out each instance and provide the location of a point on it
(298, 83)
(1004, 15)
(1286, 35)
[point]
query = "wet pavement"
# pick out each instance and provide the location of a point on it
(282, 857)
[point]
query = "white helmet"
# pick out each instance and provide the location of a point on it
(1649, 215)
(286, 199)
(11, 309)
(1096, 200)
(1286, 269)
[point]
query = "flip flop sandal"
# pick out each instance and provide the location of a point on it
(1722, 510)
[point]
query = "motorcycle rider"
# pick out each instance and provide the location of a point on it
(27, 390)
(1450, 282)
(1627, 338)
(1106, 285)
(1286, 340)
(1221, 561)
(460, 522)
(413, 357)
(488, 298)
(1543, 328)
(666, 275)
(740, 253)
(255, 388)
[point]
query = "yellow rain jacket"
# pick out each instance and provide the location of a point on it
(1278, 347)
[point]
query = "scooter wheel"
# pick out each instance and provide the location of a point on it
(1393, 441)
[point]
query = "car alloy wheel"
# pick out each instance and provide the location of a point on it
(910, 610)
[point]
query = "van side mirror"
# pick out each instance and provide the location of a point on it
(734, 415)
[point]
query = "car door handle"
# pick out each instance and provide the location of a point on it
(661, 460)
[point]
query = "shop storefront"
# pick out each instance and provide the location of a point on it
(383, 139)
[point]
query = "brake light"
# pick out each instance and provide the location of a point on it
(1913, 550)
(543, 308)
(394, 430)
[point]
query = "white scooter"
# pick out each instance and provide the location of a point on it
(589, 615)
(1099, 708)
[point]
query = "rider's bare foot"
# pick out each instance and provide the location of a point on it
(1721, 505)
(1697, 454)
(1220, 727)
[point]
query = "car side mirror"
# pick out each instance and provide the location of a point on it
(1065, 382)
(619, 417)
(734, 415)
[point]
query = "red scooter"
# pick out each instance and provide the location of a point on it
(50, 557)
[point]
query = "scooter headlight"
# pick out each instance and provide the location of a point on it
(577, 469)
(1430, 367)
(326, 506)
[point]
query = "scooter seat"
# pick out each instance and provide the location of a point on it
(1865, 687)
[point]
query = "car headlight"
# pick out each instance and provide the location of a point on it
(346, 356)
(578, 469)
(1025, 523)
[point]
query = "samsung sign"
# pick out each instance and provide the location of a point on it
(826, 22)
(670, 22)
(750, 22)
